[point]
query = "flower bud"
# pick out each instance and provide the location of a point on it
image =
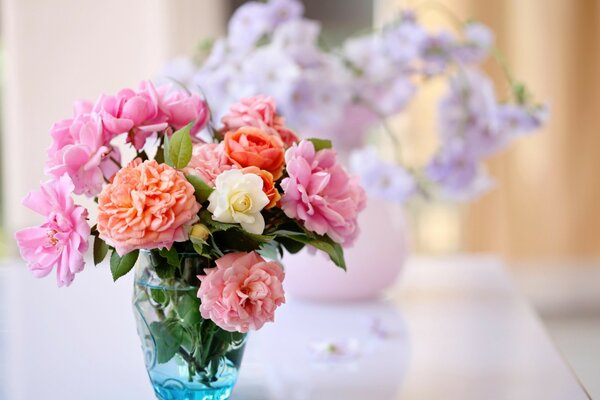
(199, 233)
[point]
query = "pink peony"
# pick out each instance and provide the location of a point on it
(258, 112)
(242, 292)
(62, 240)
(147, 206)
(80, 150)
(136, 112)
(320, 193)
(208, 161)
(182, 108)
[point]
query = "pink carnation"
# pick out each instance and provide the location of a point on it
(208, 161)
(147, 206)
(80, 150)
(242, 292)
(258, 112)
(61, 241)
(320, 193)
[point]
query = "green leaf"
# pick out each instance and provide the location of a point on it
(206, 219)
(324, 243)
(171, 256)
(188, 309)
(270, 250)
(168, 335)
(201, 189)
(165, 152)
(119, 266)
(320, 144)
(159, 296)
(202, 249)
(180, 147)
(100, 250)
(290, 245)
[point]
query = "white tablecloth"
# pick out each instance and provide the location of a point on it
(452, 329)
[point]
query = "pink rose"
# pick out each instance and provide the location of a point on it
(80, 150)
(258, 112)
(62, 240)
(320, 193)
(147, 206)
(242, 292)
(208, 161)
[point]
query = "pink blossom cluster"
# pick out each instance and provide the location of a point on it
(81, 145)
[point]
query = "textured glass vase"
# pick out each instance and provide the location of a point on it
(187, 357)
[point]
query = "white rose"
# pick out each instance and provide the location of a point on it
(238, 198)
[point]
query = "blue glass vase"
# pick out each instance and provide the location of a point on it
(187, 357)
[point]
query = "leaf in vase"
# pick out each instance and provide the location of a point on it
(168, 335)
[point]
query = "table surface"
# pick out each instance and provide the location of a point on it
(452, 328)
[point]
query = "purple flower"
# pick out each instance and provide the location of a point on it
(281, 11)
(479, 40)
(403, 41)
(469, 114)
(382, 179)
(457, 173)
(297, 33)
(519, 119)
(391, 97)
(248, 24)
(436, 52)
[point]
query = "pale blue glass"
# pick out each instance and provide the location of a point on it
(182, 377)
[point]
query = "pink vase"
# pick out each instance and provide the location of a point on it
(373, 263)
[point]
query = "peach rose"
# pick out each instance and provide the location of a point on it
(251, 147)
(148, 205)
(268, 185)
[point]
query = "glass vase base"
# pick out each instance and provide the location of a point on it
(177, 391)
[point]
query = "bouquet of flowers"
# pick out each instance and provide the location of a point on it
(342, 92)
(204, 210)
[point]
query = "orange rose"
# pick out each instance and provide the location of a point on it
(251, 147)
(268, 185)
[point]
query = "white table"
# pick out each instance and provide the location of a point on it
(452, 329)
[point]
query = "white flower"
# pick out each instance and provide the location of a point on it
(238, 198)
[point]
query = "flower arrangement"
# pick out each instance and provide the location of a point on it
(231, 203)
(342, 92)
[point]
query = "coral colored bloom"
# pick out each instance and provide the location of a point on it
(258, 112)
(147, 206)
(320, 193)
(242, 292)
(238, 198)
(208, 161)
(80, 150)
(268, 185)
(61, 241)
(250, 146)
